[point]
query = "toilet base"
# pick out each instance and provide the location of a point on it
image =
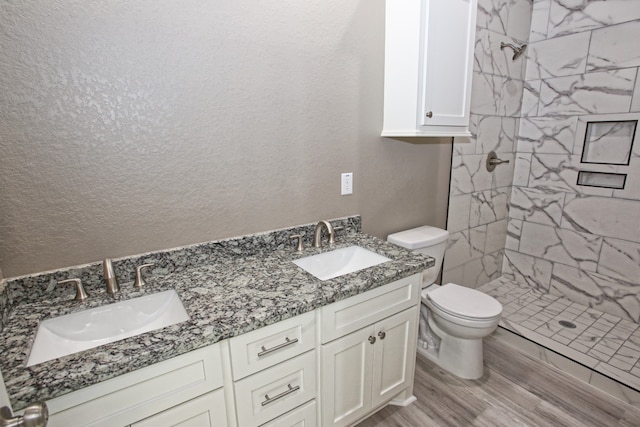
(462, 358)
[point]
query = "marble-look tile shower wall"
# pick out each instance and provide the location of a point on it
(477, 220)
(572, 240)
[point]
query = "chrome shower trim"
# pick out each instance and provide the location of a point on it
(517, 51)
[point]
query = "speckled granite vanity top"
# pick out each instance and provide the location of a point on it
(228, 288)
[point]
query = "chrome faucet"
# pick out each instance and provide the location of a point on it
(317, 236)
(35, 415)
(81, 294)
(109, 277)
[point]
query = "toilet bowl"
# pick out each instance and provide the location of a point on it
(453, 319)
(460, 317)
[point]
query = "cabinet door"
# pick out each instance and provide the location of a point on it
(447, 63)
(204, 411)
(394, 356)
(346, 378)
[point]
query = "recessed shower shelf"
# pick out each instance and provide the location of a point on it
(608, 142)
(602, 179)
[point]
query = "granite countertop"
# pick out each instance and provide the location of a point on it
(224, 297)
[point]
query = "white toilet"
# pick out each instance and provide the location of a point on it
(453, 319)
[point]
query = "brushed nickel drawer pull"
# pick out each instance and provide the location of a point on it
(281, 395)
(278, 347)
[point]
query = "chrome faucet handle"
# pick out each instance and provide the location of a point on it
(81, 294)
(35, 415)
(110, 277)
(299, 246)
(332, 236)
(139, 282)
(493, 161)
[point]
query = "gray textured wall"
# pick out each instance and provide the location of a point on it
(128, 127)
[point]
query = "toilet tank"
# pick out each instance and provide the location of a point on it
(427, 240)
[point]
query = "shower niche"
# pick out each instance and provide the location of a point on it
(602, 179)
(605, 144)
(609, 142)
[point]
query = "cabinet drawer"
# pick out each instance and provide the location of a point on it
(267, 394)
(265, 347)
(304, 416)
(351, 314)
(142, 393)
(204, 411)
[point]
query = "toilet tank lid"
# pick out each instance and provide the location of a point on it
(419, 237)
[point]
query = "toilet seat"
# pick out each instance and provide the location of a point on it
(464, 303)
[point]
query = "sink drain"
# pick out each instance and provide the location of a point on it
(567, 324)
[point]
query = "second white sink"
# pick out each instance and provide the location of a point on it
(86, 329)
(336, 263)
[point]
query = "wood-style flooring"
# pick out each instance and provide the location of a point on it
(516, 390)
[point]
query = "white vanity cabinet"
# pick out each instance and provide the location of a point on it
(429, 47)
(370, 366)
(334, 365)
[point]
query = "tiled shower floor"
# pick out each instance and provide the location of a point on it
(605, 343)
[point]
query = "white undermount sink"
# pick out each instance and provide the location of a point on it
(336, 263)
(86, 329)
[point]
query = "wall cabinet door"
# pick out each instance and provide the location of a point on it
(394, 357)
(429, 47)
(347, 364)
(447, 63)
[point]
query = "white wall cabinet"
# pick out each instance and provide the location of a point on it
(368, 368)
(429, 47)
